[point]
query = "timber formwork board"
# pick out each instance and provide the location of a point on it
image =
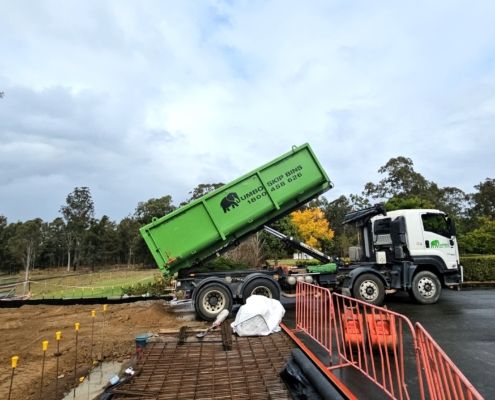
(193, 368)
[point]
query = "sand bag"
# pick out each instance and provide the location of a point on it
(260, 316)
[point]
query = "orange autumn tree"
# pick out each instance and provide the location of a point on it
(312, 226)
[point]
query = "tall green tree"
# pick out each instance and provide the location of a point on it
(484, 199)
(153, 208)
(480, 240)
(7, 260)
(53, 250)
(403, 187)
(400, 180)
(101, 242)
(128, 233)
(77, 213)
(25, 244)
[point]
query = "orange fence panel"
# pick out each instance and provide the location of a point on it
(444, 380)
(374, 341)
(314, 313)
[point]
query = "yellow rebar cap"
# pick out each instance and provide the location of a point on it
(44, 345)
(93, 313)
(14, 361)
(58, 335)
(105, 306)
(76, 326)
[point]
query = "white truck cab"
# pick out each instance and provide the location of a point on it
(430, 234)
(414, 250)
(427, 239)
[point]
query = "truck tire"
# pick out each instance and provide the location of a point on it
(261, 286)
(369, 288)
(426, 288)
(211, 299)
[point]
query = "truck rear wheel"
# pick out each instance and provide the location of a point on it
(211, 299)
(261, 286)
(369, 288)
(426, 287)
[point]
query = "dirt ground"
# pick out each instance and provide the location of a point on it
(23, 329)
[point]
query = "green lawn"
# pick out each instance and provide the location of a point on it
(57, 284)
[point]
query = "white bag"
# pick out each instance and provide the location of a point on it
(260, 316)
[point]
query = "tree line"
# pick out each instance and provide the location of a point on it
(76, 238)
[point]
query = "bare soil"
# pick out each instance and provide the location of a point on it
(23, 329)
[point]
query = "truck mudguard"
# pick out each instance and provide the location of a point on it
(193, 233)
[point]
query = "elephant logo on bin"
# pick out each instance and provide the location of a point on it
(231, 200)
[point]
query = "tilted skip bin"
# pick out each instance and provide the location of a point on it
(191, 234)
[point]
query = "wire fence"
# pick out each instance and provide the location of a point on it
(105, 284)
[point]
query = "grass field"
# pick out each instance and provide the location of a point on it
(58, 284)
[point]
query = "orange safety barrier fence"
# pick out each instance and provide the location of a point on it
(313, 313)
(443, 378)
(381, 344)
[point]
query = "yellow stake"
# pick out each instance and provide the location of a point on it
(44, 346)
(58, 336)
(14, 366)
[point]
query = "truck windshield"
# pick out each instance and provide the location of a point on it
(436, 223)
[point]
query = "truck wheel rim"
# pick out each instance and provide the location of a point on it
(369, 290)
(214, 301)
(427, 287)
(262, 291)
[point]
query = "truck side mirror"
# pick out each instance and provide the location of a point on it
(451, 225)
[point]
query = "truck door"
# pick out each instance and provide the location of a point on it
(439, 239)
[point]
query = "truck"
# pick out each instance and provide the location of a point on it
(411, 250)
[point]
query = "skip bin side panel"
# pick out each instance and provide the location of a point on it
(197, 230)
(181, 236)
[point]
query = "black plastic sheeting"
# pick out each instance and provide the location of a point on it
(305, 381)
(92, 300)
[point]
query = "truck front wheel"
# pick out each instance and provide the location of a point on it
(263, 287)
(426, 287)
(369, 288)
(211, 299)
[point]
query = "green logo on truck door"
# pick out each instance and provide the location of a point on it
(435, 244)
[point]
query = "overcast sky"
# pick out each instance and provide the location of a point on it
(142, 99)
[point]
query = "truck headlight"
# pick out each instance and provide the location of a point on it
(291, 280)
